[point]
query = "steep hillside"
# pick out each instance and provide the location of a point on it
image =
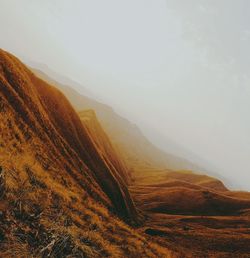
(58, 194)
(122, 133)
(104, 145)
(105, 150)
(47, 110)
(65, 181)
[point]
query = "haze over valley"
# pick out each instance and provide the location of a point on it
(179, 71)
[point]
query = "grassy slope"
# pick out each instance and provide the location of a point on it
(104, 145)
(194, 213)
(160, 190)
(51, 203)
(106, 151)
(184, 192)
(155, 190)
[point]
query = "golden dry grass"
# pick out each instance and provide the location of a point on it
(182, 208)
(52, 204)
(64, 184)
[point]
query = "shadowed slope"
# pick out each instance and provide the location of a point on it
(103, 144)
(104, 149)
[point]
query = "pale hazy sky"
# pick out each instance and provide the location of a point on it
(178, 68)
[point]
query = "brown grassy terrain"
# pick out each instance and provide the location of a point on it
(58, 195)
(202, 236)
(69, 188)
(194, 213)
(191, 213)
(193, 200)
(184, 192)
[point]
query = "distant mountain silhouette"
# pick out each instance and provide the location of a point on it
(125, 136)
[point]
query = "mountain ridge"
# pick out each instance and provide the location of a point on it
(119, 127)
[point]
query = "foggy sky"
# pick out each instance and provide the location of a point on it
(179, 69)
